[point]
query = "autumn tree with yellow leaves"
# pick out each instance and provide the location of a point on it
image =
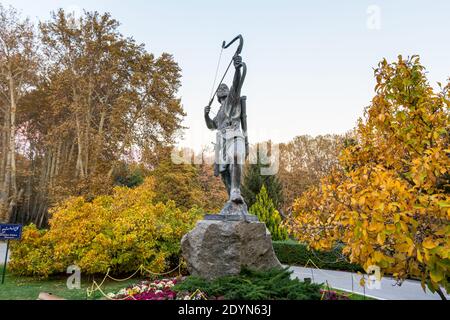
(388, 201)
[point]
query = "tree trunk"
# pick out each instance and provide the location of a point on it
(79, 166)
(99, 142)
(12, 140)
(5, 130)
(9, 188)
(4, 192)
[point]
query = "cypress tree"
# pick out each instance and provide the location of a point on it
(265, 210)
(253, 182)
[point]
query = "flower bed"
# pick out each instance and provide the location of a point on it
(148, 290)
(333, 295)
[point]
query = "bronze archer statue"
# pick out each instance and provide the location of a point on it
(231, 148)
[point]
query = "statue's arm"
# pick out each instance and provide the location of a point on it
(209, 122)
(235, 91)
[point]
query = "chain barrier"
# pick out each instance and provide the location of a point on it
(97, 287)
(329, 275)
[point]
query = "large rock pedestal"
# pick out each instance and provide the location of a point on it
(220, 247)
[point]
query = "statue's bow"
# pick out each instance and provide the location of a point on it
(239, 48)
(238, 52)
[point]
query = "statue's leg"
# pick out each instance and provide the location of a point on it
(226, 179)
(236, 174)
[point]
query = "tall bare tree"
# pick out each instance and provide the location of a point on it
(18, 63)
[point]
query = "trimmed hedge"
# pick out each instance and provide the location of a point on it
(293, 253)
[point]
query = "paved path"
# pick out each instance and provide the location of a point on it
(2, 252)
(409, 290)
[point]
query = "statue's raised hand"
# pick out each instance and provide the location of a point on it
(237, 59)
(207, 110)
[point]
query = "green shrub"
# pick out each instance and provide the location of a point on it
(275, 284)
(120, 232)
(293, 253)
(130, 176)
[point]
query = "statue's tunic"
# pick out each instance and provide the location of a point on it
(230, 142)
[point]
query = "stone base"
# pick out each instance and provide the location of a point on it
(216, 248)
(231, 217)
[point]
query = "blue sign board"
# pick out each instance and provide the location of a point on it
(10, 231)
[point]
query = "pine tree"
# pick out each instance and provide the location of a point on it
(264, 209)
(254, 181)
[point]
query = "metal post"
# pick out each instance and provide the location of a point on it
(6, 261)
(364, 287)
(352, 280)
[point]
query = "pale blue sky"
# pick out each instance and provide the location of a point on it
(309, 62)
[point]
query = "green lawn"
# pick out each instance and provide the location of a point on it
(27, 288)
(354, 296)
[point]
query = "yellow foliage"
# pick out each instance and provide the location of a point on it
(388, 202)
(121, 232)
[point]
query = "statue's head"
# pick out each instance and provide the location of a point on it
(222, 92)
